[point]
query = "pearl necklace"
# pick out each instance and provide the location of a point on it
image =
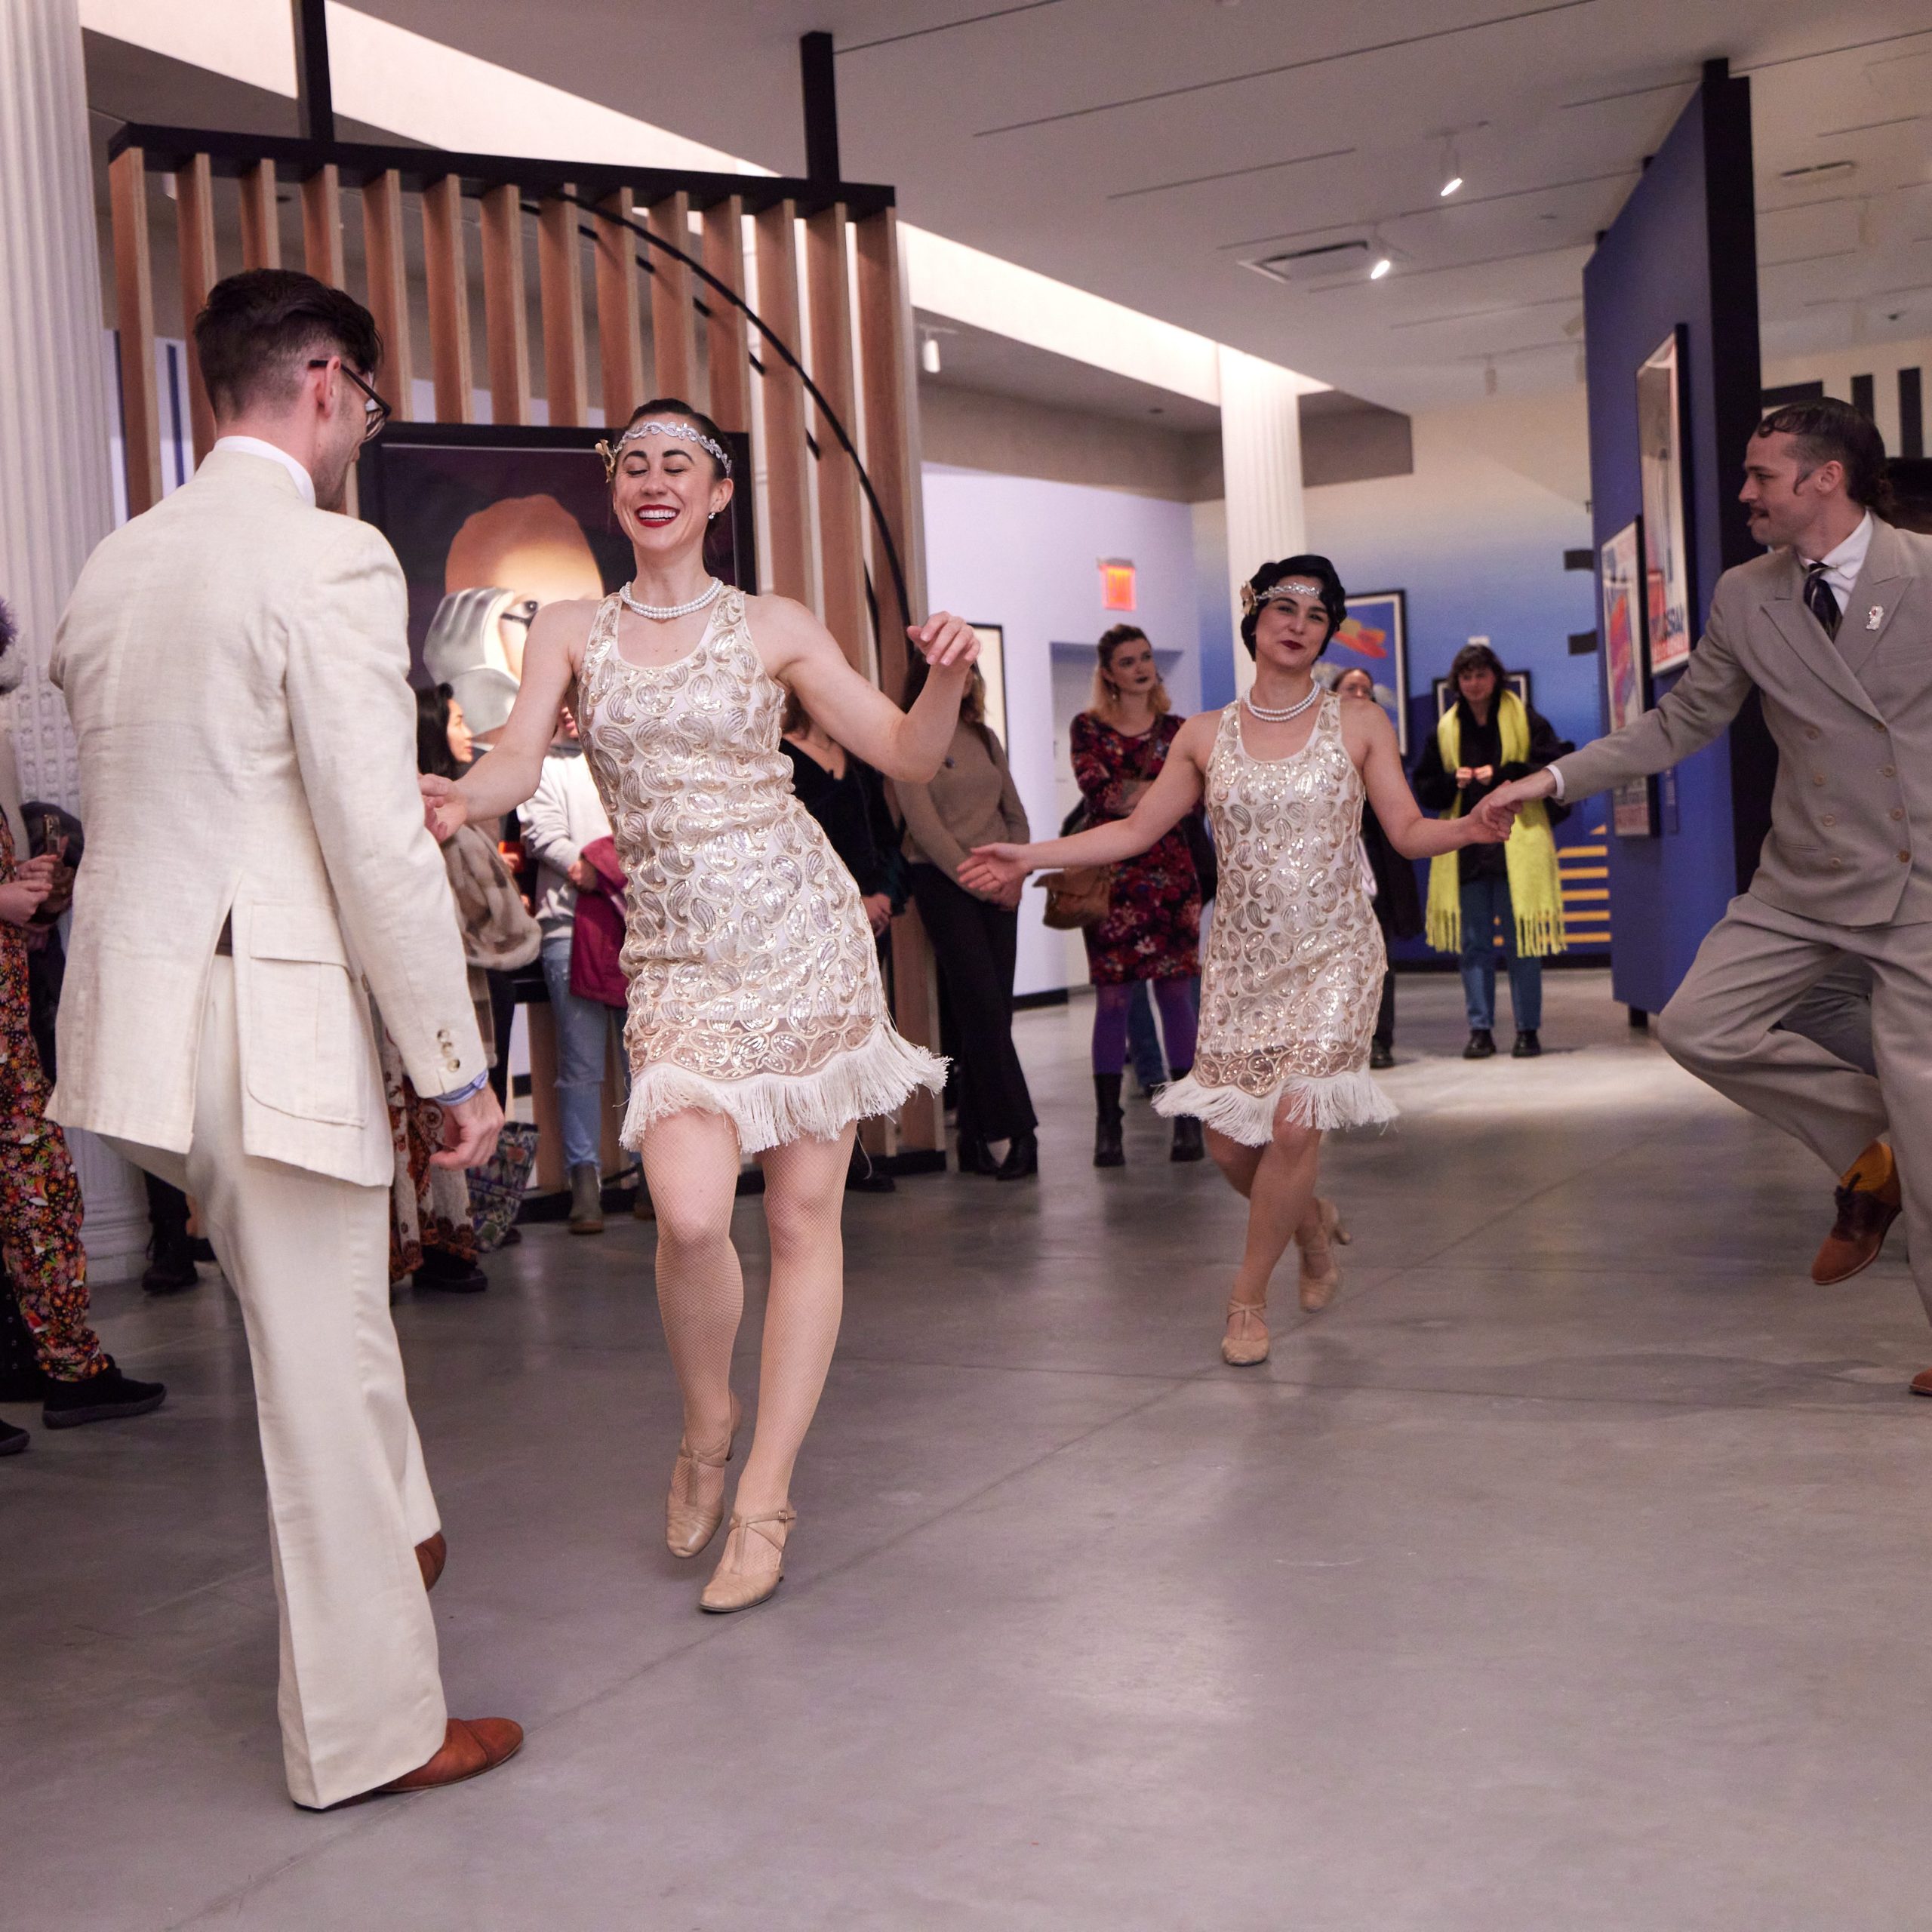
(1282, 717)
(663, 614)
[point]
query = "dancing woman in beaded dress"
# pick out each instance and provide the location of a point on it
(1293, 973)
(757, 1022)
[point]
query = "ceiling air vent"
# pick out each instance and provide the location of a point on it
(1316, 264)
(1819, 170)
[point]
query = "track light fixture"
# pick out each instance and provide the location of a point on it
(1382, 265)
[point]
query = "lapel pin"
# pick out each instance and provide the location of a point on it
(1875, 616)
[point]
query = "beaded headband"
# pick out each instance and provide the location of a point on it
(1290, 586)
(685, 433)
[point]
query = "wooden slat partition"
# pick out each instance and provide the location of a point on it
(261, 220)
(620, 310)
(448, 276)
(133, 277)
(841, 534)
(506, 320)
(673, 320)
(786, 456)
(727, 334)
(389, 286)
(560, 277)
(194, 223)
(321, 226)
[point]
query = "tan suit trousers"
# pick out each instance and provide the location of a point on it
(1756, 964)
(360, 1699)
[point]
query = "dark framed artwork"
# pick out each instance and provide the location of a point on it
(992, 669)
(1633, 806)
(1374, 638)
(1662, 456)
(491, 524)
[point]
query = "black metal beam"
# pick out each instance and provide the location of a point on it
(821, 82)
(314, 93)
(169, 148)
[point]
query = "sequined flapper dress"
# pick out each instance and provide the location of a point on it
(1294, 958)
(754, 983)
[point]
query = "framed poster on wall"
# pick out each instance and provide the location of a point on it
(1633, 813)
(1373, 637)
(1663, 446)
(992, 669)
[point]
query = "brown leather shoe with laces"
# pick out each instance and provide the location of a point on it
(431, 1553)
(1868, 1201)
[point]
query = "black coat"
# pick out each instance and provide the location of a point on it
(1482, 744)
(852, 812)
(1398, 900)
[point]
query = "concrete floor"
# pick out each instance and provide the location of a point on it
(1567, 1573)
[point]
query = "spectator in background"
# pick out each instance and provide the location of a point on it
(559, 819)
(975, 936)
(1398, 904)
(1489, 736)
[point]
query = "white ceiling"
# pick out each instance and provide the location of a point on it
(1144, 149)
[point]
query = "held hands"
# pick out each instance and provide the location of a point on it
(995, 873)
(1497, 813)
(445, 811)
(945, 642)
(469, 1131)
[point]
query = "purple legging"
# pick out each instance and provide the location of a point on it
(1174, 997)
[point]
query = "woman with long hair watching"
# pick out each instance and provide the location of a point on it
(1294, 961)
(1152, 924)
(758, 1023)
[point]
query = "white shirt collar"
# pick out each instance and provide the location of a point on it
(1843, 564)
(254, 446)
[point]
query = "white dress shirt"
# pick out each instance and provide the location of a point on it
(254, 446)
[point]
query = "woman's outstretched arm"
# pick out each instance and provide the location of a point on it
(1163, 805)
(1371, 741)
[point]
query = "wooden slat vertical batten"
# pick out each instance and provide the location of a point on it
(322, 225)
(133, 278)
(786, 456)
(448, 277)
(389, 287)
(673, 320)
(841, 535)
(194, 223)
(261, 220)
(506, 320)
(560, 279)
(728, 333)
(620, 310)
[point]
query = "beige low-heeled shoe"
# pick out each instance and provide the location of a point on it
(1318, 1284)
(753, 1565)
(1244, 1346)
(689, 1524)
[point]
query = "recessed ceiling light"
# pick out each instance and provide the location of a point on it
(1450, 186)
(929, 355)
(1381, 268)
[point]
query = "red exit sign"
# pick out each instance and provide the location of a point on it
(1116, 584)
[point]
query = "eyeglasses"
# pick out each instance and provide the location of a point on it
(376, 412)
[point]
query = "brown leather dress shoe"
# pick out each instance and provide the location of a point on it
(471, 1746)
(431, 1554)
(1921, 1383)
(1868, 1201)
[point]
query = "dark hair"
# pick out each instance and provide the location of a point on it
(1334, 598)
(1474, 657)
(259, 328)
(972, 705)
(1826, 430)
(10, 631)
(432, 732)
(672, 405)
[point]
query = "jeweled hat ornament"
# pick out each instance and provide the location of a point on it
(685, 433)
(1287, 586)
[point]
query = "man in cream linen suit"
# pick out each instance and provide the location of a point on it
(235, 665)
(1833, 629)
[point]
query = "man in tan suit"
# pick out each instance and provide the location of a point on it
(234, 663)
(1833, 629)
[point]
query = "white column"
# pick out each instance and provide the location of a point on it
(1261, 468)
(56, 500)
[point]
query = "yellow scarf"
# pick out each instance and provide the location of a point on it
(1535, 889)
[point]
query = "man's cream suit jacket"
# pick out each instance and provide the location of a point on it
(1851, 815)
(235, 666)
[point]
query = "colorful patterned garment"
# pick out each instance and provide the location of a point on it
(428, 1207)
(1153, 928)
(40, 1200)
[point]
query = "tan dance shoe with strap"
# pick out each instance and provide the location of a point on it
(691, 1517)
(1320, 1272)
(1246, 1342)
(753, 1565)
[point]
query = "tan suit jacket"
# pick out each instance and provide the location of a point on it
(1850, 842)
(235, 666)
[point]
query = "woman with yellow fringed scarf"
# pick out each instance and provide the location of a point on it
(1487, 737)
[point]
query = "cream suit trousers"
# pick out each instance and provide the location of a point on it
(360, 1698)
(1758, 963)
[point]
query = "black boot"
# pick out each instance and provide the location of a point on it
(975, 1156)
(1482, 1043)
(1527, 1046)
(1108, 1151)
(1381, 1054)
(102, 1397)
(1023, 1158)
(1188, 1144)
(12, 1440)
(171, 1268)
(452, 1274)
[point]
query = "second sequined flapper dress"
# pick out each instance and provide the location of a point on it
(754, 983)
(1294, 958)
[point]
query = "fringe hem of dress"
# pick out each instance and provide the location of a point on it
(773, 1110)
(1340, 1100)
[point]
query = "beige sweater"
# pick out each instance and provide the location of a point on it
(970, 802)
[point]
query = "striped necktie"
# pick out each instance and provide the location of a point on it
(1818, 594)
